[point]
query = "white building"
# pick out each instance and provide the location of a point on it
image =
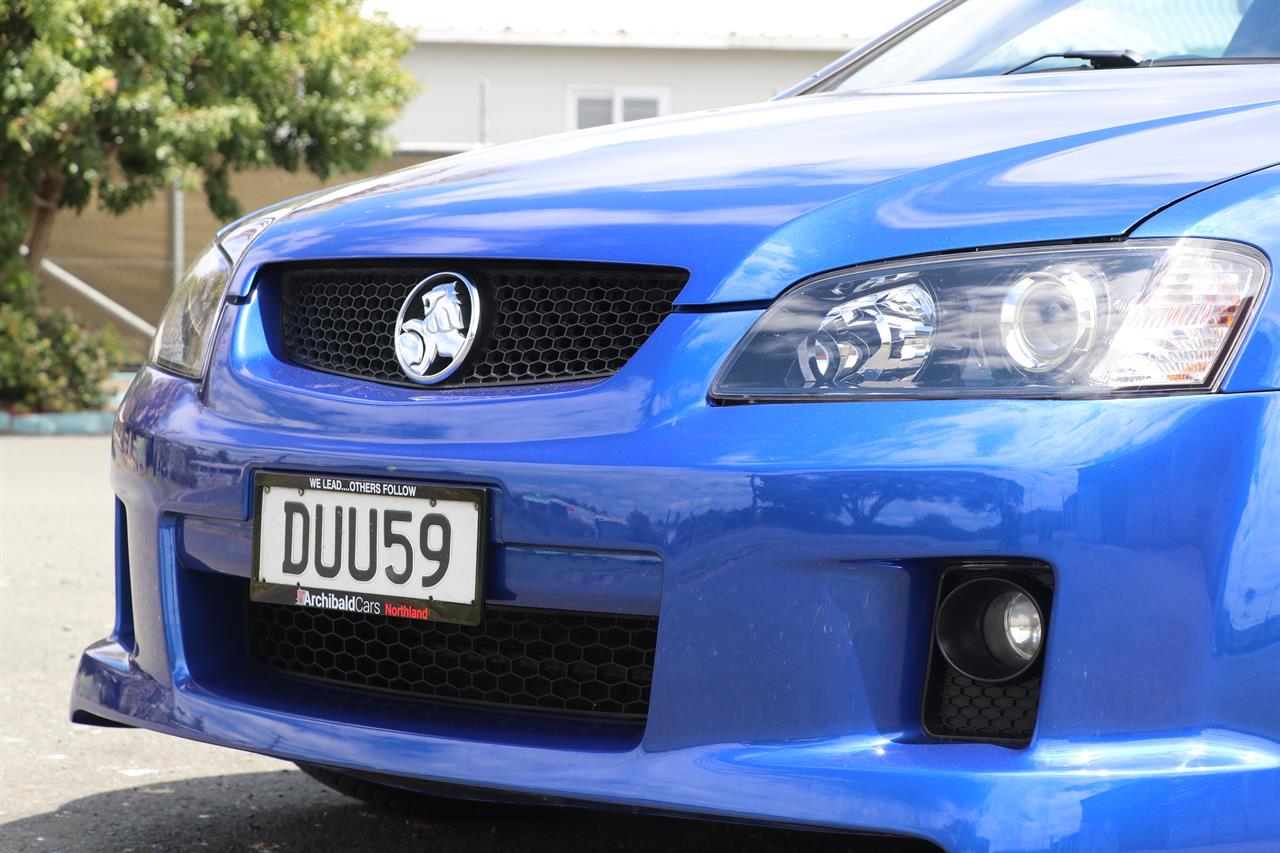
(487, 86)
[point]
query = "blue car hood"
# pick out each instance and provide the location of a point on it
(751, 199)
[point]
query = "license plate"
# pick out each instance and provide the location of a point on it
(375, 547)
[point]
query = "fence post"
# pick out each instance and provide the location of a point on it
(177, 232)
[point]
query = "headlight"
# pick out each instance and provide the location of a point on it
(186, 329)
(1061, 321)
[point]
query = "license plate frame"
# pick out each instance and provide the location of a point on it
(345, 591)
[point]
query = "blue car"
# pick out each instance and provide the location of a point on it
(901, 456)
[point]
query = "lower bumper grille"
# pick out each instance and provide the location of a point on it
(589, 663)
(965, 708)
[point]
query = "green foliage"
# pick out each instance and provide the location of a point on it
(114, 99)
(117, 97)
(48, 363)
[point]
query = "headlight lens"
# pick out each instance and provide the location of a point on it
(1062, 321)
(182, 339)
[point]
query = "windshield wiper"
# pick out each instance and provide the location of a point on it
(1095, 58)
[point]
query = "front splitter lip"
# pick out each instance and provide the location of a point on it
(945, 793)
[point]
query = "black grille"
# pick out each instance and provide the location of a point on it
(593, 663)
(956, 706)
(540, 323)
(968, 709)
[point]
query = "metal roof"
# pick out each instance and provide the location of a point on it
(627, 39)
(817, 25)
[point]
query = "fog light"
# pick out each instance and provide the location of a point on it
(990, 629)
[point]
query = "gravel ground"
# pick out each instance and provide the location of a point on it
(75, 788)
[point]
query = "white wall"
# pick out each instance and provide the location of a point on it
(528, 85)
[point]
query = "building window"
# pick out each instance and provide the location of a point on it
(593, 107)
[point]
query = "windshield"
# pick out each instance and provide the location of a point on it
(987, 37)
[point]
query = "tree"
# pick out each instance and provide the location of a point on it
(116, 98)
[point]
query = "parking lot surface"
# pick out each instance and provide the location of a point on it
(75, 788)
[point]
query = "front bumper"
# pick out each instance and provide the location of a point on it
(798, 549)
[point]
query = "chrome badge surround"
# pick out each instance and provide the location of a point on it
(436, 327)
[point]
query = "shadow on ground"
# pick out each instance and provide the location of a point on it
(285, 811)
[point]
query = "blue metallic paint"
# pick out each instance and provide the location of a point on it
(753, 198)
(791, 550)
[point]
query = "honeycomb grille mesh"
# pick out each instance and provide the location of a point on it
(539, 323)
(591, 663)
(967, 708)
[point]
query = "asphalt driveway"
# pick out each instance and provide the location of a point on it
(75, 788)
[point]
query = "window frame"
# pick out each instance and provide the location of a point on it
(618, 95)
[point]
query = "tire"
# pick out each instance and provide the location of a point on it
(393, 800)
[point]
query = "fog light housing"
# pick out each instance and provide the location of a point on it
(990, 629)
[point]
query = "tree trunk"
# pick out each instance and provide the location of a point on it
(48, 197)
